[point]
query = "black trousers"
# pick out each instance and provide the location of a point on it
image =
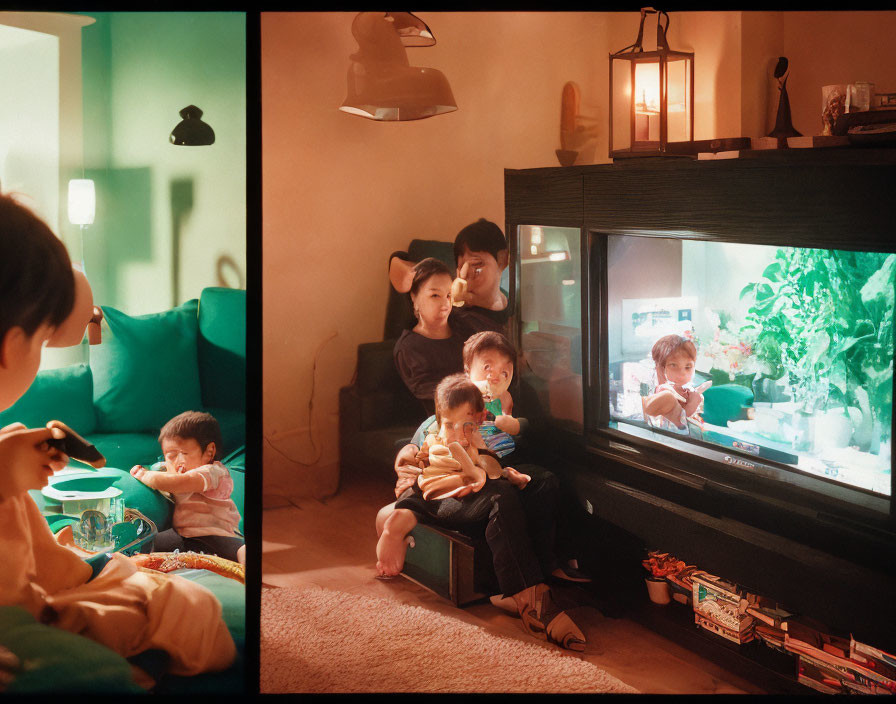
(518, 530)
(220, 545)
(549, 488)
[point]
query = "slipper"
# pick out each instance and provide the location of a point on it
(505, 603)
(543, 619)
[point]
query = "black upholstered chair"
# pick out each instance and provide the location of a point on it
(377, 412)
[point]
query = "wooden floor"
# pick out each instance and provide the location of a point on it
(331, 543)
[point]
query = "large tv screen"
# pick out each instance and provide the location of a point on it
(782, 354)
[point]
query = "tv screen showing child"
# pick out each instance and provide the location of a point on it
(782, 353)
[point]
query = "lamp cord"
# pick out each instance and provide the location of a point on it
(312, 426)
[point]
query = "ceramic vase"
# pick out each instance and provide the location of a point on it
(658, 590)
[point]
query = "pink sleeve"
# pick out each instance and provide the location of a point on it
(218, 484)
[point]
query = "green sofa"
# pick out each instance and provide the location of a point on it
(146, 370)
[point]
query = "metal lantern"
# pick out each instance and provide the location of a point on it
(651, 97)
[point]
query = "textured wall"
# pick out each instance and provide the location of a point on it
(341, 192)
(140, 70)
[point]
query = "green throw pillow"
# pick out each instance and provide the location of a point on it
(222, 347)
(53, 660)
(725, 403)
(64, 394)
(145, 371)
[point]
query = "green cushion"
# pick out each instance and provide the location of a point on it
(233, 427)
(145, 371)
(724, 403)
(58, 661)
(222, 347)
(64, 394)
(124, 450)
(231, 594)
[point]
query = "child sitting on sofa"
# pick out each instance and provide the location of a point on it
(205, 517)
(123, 608)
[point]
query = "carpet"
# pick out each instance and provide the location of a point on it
(318, 640)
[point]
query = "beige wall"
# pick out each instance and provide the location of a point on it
(341, 192)
(823, 48)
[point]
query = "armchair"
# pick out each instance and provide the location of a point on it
(377, 412)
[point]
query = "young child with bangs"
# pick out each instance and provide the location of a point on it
(675, 399)
(205, 517)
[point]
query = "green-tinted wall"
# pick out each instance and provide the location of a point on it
(164, 211)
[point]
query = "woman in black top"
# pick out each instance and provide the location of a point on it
(432, 349)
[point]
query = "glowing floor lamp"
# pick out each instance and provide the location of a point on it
(81, 212)
(81, 205)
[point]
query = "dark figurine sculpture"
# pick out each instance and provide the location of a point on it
(783, 124)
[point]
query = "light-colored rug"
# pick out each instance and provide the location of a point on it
(318, 640)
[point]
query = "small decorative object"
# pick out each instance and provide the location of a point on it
(661, 565)
(883, 101)
(569, 109)
(858, 96)
(191, 131)
(783, 123)
(658, 590)
(651, 96)
(833, 105)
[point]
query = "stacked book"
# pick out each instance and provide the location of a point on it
(769, 624)
(837, 664)
(720, 607)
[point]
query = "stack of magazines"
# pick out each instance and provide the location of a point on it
(837, 664)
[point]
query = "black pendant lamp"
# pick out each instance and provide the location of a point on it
(191, 131)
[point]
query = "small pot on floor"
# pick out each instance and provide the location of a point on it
(658, 590)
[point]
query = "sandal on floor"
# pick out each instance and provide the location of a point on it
(543, 619)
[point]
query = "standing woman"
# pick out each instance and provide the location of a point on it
(433, 348)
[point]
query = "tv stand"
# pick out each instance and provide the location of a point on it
(824, 554)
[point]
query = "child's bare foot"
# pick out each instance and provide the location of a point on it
(391, 549)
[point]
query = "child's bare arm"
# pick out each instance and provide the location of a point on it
(166, 481)
(695, 398)
(506, 421)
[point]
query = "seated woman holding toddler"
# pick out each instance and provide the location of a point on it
(471, 364)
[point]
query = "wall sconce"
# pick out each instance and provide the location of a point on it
(191, 131)
(81, 201)
(382, 85)
(651, 96)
